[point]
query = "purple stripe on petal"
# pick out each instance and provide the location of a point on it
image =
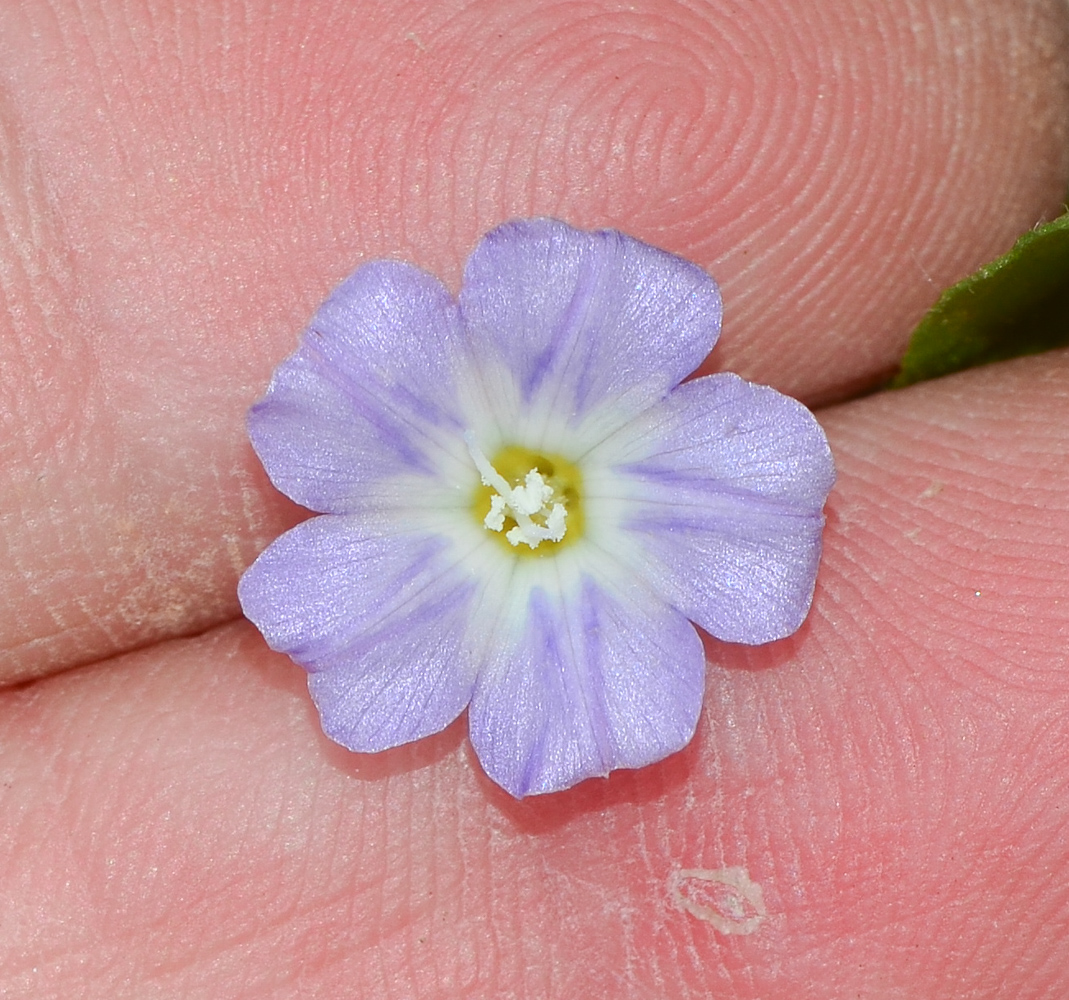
(726, 483)
(366, 393)
(743, 574)
(586, 317)
(379, 621)
(723, 430)
(599, 679)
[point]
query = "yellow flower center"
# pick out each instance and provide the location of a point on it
(527, 499)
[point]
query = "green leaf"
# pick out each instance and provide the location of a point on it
(1018, 304)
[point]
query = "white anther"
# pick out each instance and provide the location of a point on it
(523, 503)
(495, 519)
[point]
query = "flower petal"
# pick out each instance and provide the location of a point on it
(368, 393)
(724, 485)
(379, 620)
(599, 677)
(583, 317)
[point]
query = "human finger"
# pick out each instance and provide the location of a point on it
(182, 185)
(873, 806)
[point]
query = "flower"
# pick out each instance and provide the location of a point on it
(524, 507)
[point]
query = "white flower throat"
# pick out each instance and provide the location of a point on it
(538, 512)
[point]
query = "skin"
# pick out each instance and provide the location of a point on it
(178, 191)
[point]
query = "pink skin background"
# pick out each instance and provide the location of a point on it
(180, 185)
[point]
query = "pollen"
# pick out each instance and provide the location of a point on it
(527, 498)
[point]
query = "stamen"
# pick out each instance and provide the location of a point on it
(534, 499)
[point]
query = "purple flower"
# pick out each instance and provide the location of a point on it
(523, 508)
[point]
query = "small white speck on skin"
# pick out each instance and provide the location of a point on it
(726, 898)
(934, 488)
